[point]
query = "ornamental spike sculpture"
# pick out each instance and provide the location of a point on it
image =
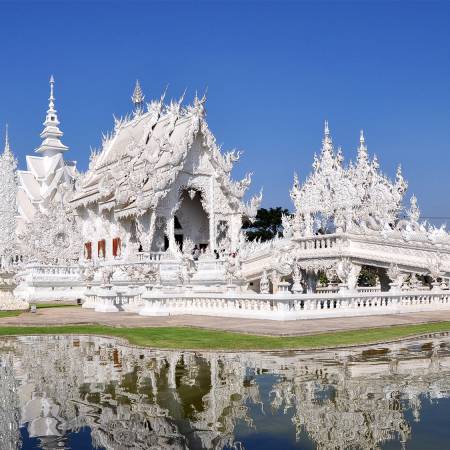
(327, 142)
(362, 150)
(7, 147)
(341, 197)
(138, 98)
(51, 104)
(414, 210)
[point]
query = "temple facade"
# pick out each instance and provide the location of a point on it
(160, 182)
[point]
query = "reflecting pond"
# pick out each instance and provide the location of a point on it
(92, 392)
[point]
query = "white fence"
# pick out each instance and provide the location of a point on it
(42, 283)
(293, 307)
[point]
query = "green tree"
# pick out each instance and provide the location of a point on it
(368, 276)
(267, 224)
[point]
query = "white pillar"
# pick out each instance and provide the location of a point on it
(171, 232)
(212, 224)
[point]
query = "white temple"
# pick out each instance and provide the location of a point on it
(154, 226)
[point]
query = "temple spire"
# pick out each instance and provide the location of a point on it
(327, 142)
(138, 98)
(7, 148)
(51, 104)
(362, 150)
(51, 134)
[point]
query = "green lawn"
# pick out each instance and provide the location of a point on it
(10, 313)
(196, 338)
(53, 305)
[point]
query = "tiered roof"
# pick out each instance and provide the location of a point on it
(38, 184)
(141, 159)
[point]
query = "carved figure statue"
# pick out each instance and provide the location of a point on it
(264, 284)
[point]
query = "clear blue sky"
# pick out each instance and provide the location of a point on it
(274, 72)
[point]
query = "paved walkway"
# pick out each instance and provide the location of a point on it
(78, 316)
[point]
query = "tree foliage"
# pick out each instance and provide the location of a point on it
(266, 225)
(368, 276)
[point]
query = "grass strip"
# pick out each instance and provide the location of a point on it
(10, 313)
(201, 339)
(53, 305)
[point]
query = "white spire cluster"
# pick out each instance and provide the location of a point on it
(334, 197)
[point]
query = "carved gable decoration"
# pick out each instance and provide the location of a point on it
(145, 155)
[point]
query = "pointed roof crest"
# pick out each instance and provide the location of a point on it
(362, 149)
(7, 154)
(51, 134)
(326, 131)
(51, 104)
(327, 142)
(7, 146)
(138, 97)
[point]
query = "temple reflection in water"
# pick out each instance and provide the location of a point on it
(55, 388)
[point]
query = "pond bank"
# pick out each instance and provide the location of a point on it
(211, 333)
(72, 315)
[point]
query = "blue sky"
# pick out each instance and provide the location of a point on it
(274, 72)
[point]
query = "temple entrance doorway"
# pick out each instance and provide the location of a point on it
(191, 221)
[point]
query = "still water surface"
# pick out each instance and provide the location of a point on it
(96, 393)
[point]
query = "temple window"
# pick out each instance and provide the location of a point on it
(88, 250)
(101, 248)
(117, 246)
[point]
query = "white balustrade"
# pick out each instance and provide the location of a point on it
(151, 256)
(319, 242)
(293, 307)
(44, 282)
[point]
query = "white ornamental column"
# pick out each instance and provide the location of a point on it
(348, 273)
(397, 278)
(212, 222)
(171, 233)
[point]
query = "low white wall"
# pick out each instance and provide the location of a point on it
(293, 307)
(41, 283)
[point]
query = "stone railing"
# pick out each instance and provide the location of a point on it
(43, 283)
(292, 307)
(43, 273)
(365, 289)
(326, 241)
(327, 289)
(151, 256)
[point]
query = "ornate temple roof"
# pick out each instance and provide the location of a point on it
(141, 158)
